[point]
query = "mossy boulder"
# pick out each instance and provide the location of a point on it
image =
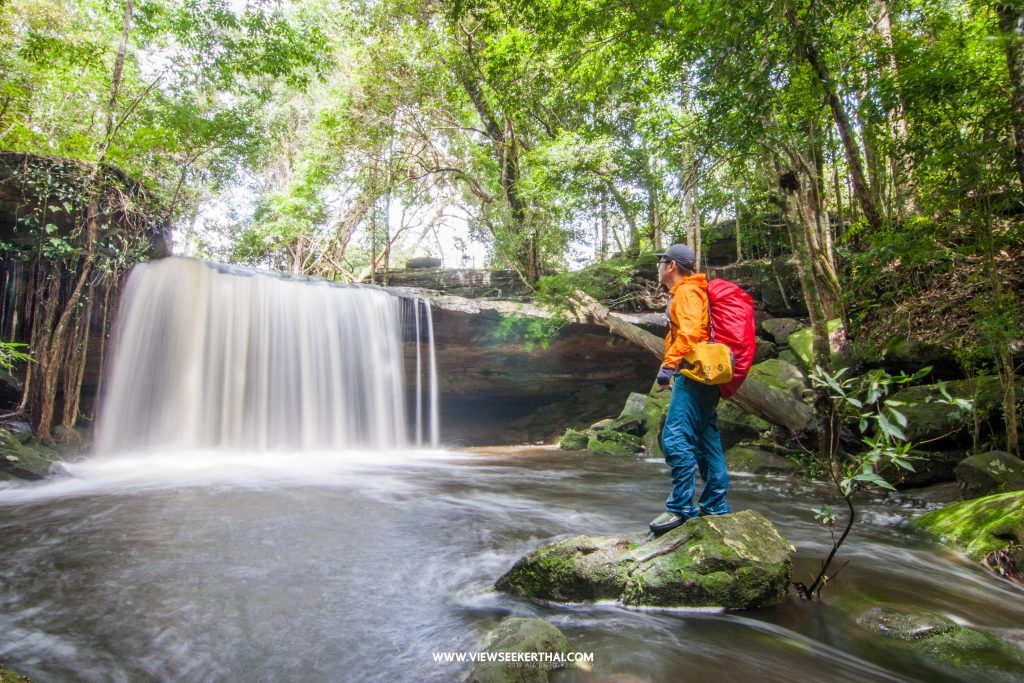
(780, 375)
(8, 676)
(779, 329)
(653, 417)
(611, 442)
(989, 473)
(980, 526)
(32, 460)
(917, 632)
(800, 343)
(735, 561)
(519, 635)
(754, 460)
(574, 440)
(931, 417)
(737, 425)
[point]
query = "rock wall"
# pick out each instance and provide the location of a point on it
(497, 387)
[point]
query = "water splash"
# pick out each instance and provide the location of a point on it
(214, 358)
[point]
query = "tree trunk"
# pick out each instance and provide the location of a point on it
(904, 187)
(1011, 22)
(789, 201)
(807, 47)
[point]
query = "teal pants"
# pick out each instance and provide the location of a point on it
(691, 443)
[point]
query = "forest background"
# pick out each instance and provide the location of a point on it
(881, 143)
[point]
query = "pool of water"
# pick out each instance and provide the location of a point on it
(359, 566)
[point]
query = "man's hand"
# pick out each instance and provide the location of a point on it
(665, 376)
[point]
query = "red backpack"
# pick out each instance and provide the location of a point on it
(732, 323)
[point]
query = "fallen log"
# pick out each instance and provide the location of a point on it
(755, 397)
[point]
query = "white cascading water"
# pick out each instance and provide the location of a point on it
(210, 358)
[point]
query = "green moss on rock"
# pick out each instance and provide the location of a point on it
(520, 635)
(610, 442)
(757, 461)
(919, 632)
(780, 375)
(573, 440)
(734, 561)
(978, 526)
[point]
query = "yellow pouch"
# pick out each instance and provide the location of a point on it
(710, 363)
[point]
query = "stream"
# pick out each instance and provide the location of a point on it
(359, 566)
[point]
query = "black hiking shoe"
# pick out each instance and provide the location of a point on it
(666, 521)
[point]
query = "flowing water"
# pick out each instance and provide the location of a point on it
(253, 512)
(358, 566)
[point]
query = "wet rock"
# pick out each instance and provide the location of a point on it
(19, 430)
(779, 329)
(518, 636)
(917, 632)
(780, 375)
(735, 561)
(989, 473)
(757, 461)
(989, 529)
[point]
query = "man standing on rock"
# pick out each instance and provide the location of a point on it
(690, 439)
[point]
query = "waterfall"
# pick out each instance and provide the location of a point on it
(213, 357)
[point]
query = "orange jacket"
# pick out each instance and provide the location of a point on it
(688, 323)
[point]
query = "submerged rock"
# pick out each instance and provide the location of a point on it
(735, 561)
(990, 473)
(518, 636)
(926, 634)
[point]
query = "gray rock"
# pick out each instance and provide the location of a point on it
(735, 561)
(20, 431)
(765, 350)
(518, 635)
(779, 329)
(988, 473)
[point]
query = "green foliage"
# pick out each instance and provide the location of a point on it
(11, 353)
(865, 402)
(531, 332)
(612, 282)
